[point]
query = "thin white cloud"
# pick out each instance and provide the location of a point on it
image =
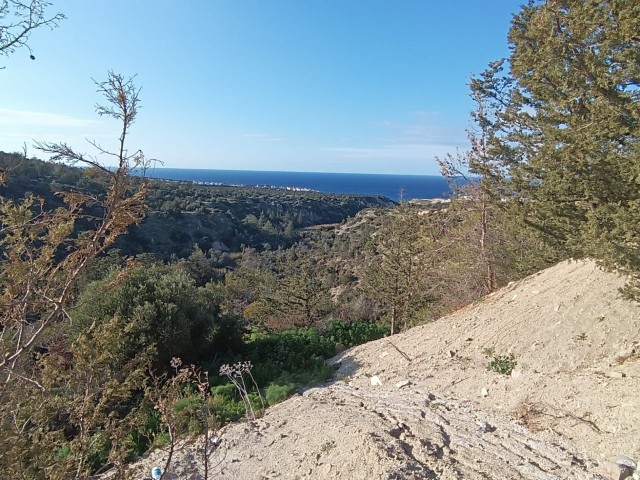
(42, 119)
(265, 137)
(422, 137)
(426, 130)
(393, 152)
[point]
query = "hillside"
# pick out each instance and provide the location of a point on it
(182, 215)
(225, 218)
(435, 411)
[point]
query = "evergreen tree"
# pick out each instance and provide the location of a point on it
(300, 298)
(36, 284)
(566, 122)
(61, 391)
(160, 307)
(486, 242)
(396, 275)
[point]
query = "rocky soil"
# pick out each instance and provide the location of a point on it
(423, 404)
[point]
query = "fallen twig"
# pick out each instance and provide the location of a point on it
(399, 351)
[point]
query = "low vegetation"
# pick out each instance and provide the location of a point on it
(502, 364)
(119, 335)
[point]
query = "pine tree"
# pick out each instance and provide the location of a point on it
(36, 284)
(567, 122)
(396, 275)
(300, 299)
(486, 242)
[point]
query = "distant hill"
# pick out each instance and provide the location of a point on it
(184, 214)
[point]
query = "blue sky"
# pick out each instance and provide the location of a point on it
(365, 86)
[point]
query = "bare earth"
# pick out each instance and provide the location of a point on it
(437, 412)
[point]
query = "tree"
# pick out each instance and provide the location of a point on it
(18, 19)
(246, 285)
(90, 400)
(397, 276)
(470, 176)
(567, 124)
(485, 236)
(204, 267)
(299, 298)
(43, 257)
(159, 306)
(64, 395)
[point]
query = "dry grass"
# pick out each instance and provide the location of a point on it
(634, 355)
(528, 414)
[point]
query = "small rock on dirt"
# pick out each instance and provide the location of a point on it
(375, 381)
(613, 471)
(403, 383)
(625, 460)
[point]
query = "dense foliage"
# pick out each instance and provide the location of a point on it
(564, 124)
(161, 309)
(61, 394)
(132, 343)
(183, 215)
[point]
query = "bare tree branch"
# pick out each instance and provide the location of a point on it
(18, 19)
(35, 287)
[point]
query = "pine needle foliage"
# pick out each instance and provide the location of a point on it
(565, 123)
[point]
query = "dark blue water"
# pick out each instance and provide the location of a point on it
(412, 186)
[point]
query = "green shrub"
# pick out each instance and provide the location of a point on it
(351, 334)
(226, 408)
(195, 426)
(187, 406)
(62, 453)
(228, 390)
(100, 449)
(140, 437)
(277, 393)
(187, 410)
(293, 351)
(503, 364)
(161, 440)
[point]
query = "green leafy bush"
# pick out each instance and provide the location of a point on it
(161, 308)
(286, 360)
(161, 440)
(187, 410)
(293, 351)
(225, 404)
(351, 334)
(277, 393)
(503, 364)
(227, 390)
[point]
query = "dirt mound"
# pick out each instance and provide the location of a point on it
(575, 341)
(423, 404)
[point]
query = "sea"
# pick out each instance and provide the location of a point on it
(394, 187)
